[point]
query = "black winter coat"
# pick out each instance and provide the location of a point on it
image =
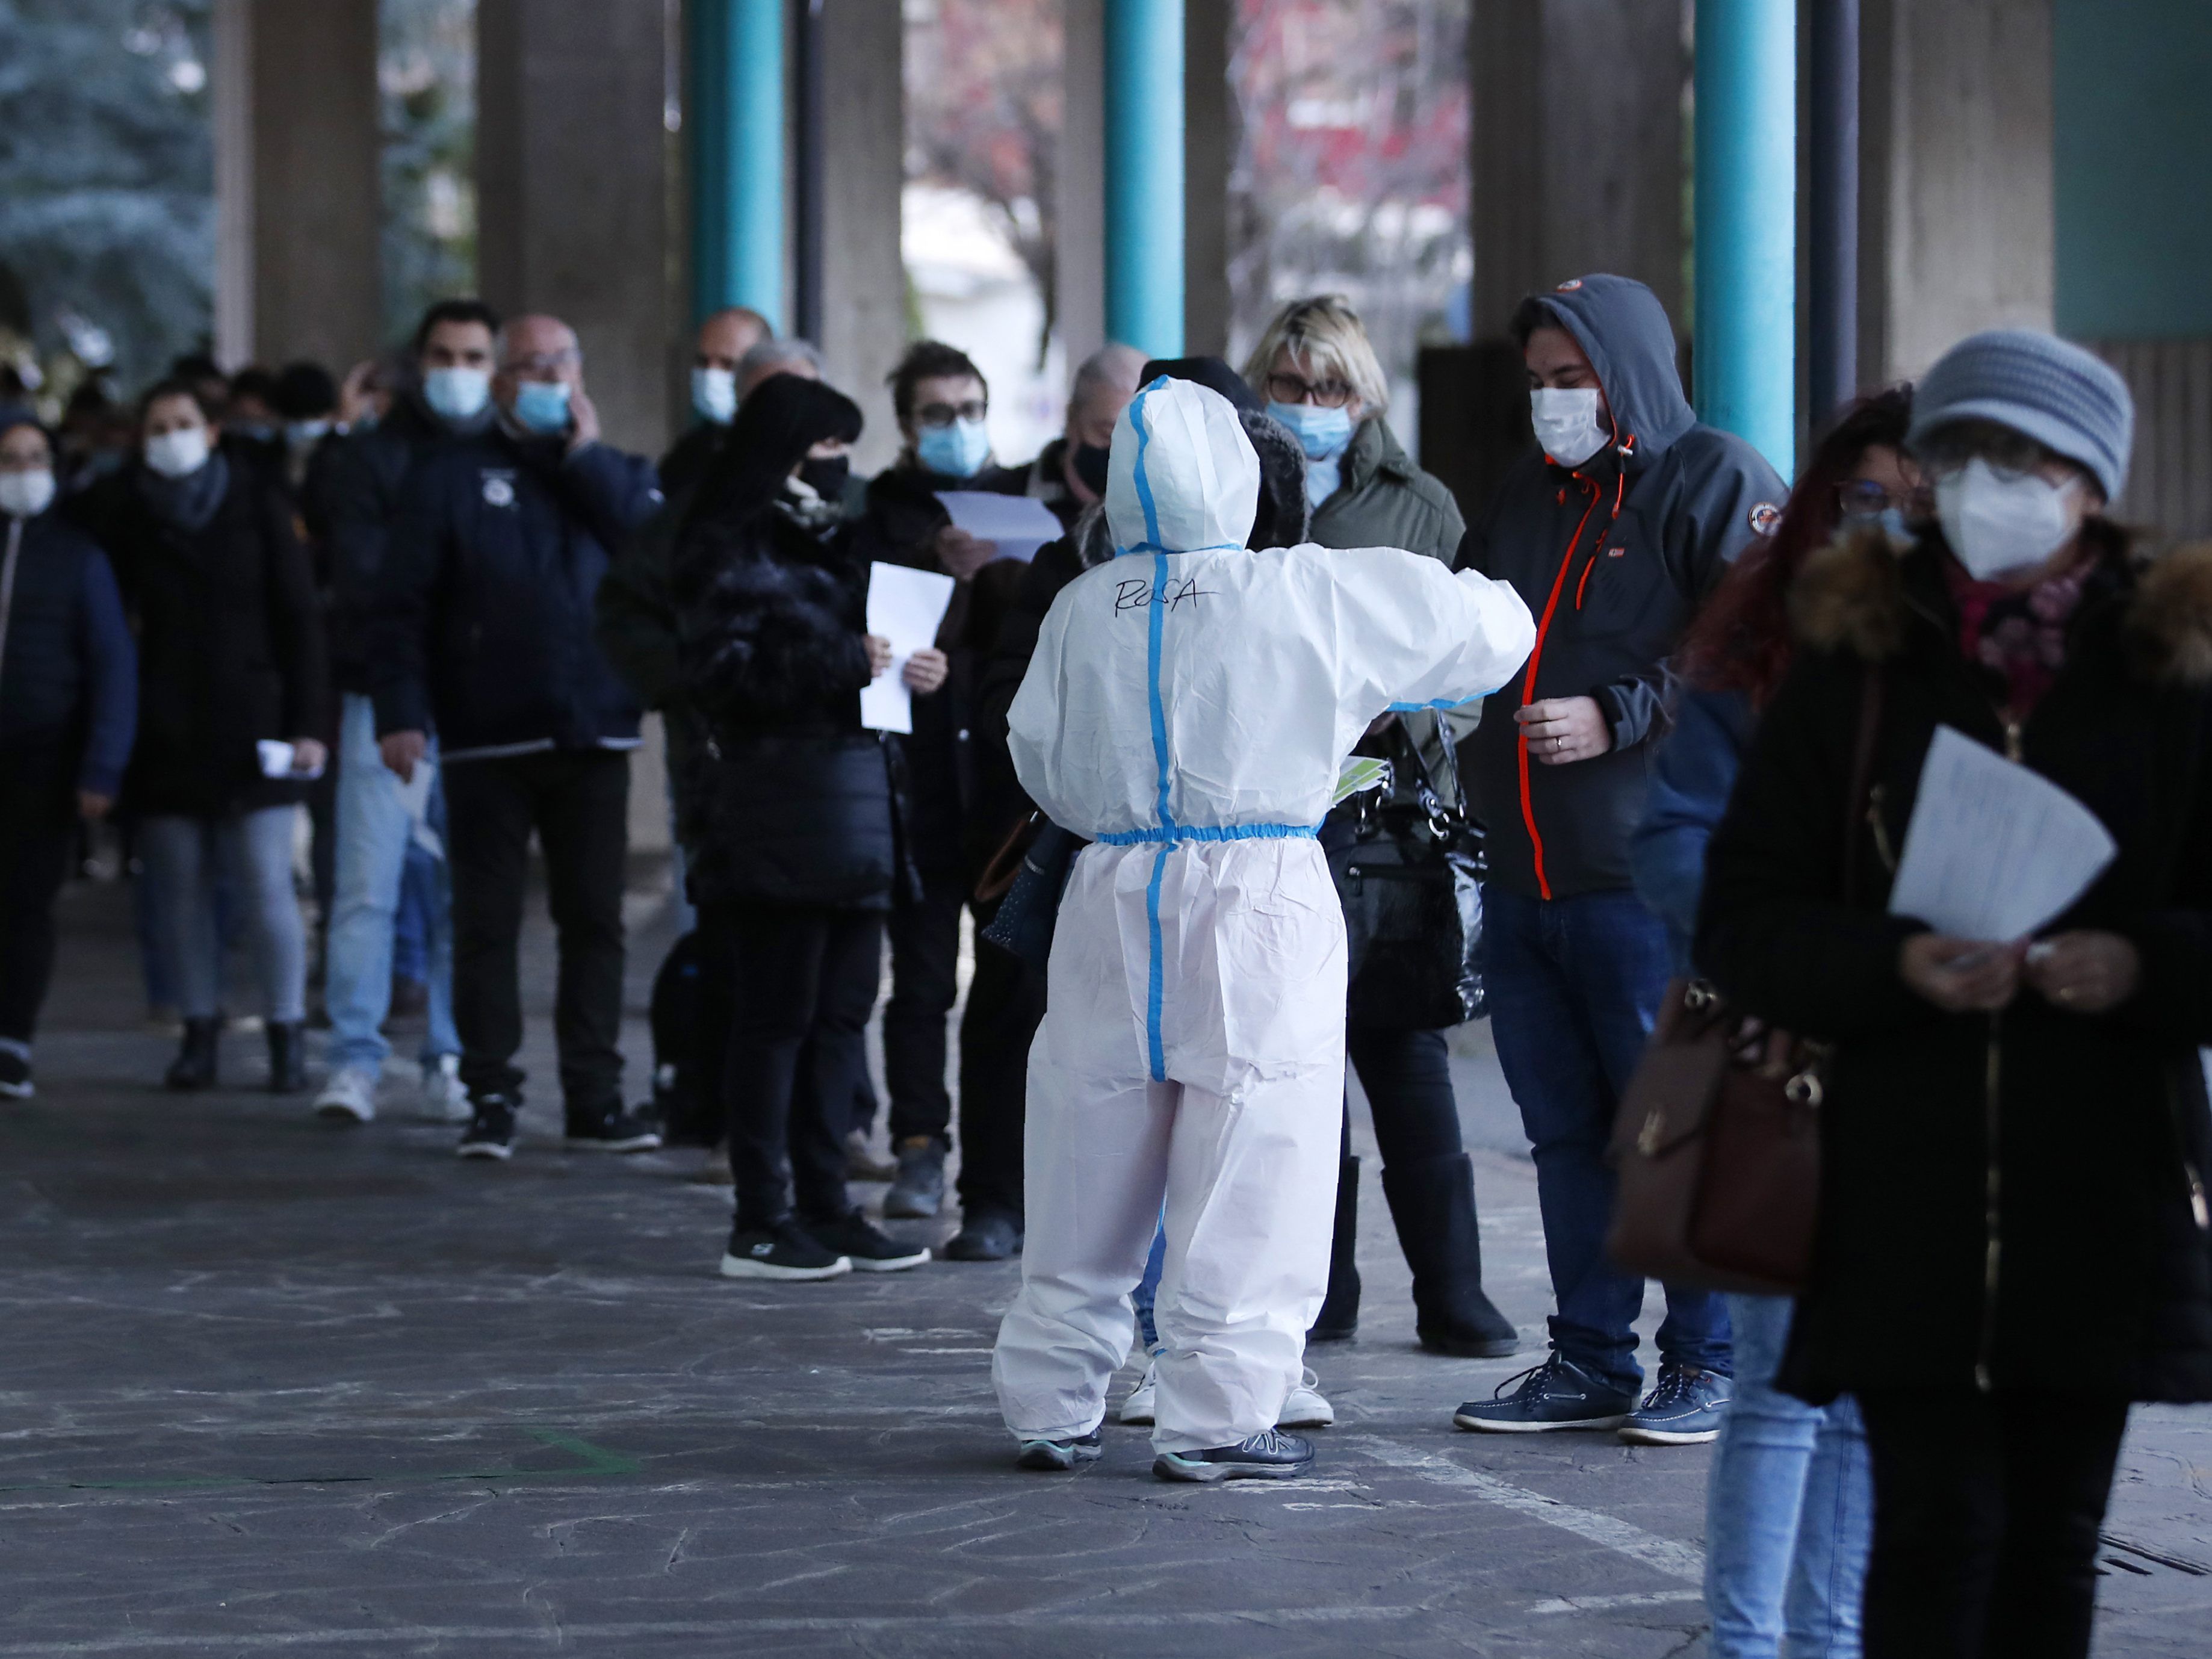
(1612, 557)
(796, 798)
(483, 608)
(2014, 1201)
(230, 644)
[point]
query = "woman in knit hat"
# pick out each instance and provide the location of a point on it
(2014, 1242)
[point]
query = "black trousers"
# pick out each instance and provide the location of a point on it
(577, 801)
(1005, 1005)
(1407, 1078)
(806, 980)
(38, 827)
(925, 934)
(1986, 1510)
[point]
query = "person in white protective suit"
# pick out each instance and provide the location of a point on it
(1187, 711)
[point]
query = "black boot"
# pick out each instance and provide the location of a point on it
(1339, 1319)
(1432, 1202)
(194, 1065)
(287, 1056)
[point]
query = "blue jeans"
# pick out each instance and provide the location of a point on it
(1148, 1290)
(254, 853)
(1789, 1508)
(1574, 985)
(375, 832)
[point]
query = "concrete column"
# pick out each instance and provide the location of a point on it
(1145, 174)
(572, 187)
(1747, 223)
(1955, 232)
(299, 205)
(1081, 304)
(1210, 131)
(1577, 142)
(863, 275)
(737, 131)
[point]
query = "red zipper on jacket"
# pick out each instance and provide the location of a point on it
(1543, 631)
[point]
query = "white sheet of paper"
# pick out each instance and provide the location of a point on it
(1018, 524)
(905, 607)
(1994, 851)
(280, 760)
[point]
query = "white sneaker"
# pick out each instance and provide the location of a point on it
(1137, 1404)
(1306, 1408)
(350, 1096)
(444, 1099)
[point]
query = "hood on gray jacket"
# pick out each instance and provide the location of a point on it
(1623, 330)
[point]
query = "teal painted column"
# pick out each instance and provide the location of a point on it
(1144, 174)
(1745, 346)
(736, 126)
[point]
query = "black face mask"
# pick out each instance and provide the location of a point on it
(826, 476)
(1091, 467)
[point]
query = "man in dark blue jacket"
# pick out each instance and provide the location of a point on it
(484, 626)
(68, 707)
(1612, 530)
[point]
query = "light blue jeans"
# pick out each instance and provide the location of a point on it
(1789, 1510)
(373, 833)
(253, 851)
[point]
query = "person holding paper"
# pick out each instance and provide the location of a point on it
(2014, 1243)
(1186, 712)
(801, 843)
(230, 655)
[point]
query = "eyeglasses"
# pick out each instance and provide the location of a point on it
(1862, 498)
(944, 415)
(1296, 389)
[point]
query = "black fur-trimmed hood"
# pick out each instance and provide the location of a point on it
(1852, 596)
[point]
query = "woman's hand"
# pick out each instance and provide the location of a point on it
(925, 671)
(1960, 975)
(961, 554)
(1561, 730)
(879, 655)
(2084, 973)
(308, 756)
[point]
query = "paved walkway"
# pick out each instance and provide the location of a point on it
(267, 1386)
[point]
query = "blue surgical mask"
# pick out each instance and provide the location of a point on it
(1893, 525)
(304, 435)
(957, 451)
(1323, 433)
(542, 406)
(714, 395)
(456, 394)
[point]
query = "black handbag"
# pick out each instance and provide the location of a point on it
(1409, 874)
(1029, 902)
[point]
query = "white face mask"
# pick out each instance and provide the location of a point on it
(1996, 524)
(27, 494)
(1566, 419)
(173, 455)
(714, 394)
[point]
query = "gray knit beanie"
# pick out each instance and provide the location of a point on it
(2066, 399)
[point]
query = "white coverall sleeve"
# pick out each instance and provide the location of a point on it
(1033, 720)
(1417, 636)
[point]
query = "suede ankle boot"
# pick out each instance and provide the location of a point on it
(1339, 1319)
(194, 1067)
(1432, 1205)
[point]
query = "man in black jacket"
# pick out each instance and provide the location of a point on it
(483, 622)
(1612, 530)
(352, 493)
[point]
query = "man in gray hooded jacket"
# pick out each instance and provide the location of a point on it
(1613, 531)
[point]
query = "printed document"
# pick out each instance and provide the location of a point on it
(1994, 851)
(1018, 524)
(905, 607)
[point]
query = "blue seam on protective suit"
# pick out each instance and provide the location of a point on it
(1151, 547)
(1156, 988)
(1173, 833)
(1443, 703)
(1154, 631)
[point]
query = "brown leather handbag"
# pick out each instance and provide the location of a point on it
(1718, 1142)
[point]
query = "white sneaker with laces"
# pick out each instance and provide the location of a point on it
(1137, 1405)
(350, 1096)
(444, 1099)
(1306, 1408)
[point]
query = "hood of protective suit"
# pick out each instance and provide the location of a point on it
(1183, 477)
(1623, 330)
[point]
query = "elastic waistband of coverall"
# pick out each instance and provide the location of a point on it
(1168, 834)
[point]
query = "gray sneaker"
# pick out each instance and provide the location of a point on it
(918, 1190)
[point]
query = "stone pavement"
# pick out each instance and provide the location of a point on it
(267, 1386)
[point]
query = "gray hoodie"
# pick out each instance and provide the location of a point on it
(1613, 558)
